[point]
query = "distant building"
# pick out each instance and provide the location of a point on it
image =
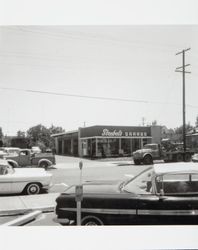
(192, 139)
(106, 141)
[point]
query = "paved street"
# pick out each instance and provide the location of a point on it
(66, 172)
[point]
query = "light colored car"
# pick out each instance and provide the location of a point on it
(6, 151)
(36, 150)
(22, 180)
(195, 158)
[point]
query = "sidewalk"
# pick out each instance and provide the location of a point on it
(14, 205)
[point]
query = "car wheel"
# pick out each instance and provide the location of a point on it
(147, 160)
(180, 158)
(43, 164)
(91, 221)
(137, 162)
(33, 188)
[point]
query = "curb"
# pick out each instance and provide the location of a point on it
(25, 210)
(23, 219)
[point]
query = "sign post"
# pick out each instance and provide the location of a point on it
(79, 196)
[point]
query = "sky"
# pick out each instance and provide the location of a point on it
(96, 75)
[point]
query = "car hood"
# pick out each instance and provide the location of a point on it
(144, 150)
(100, 187)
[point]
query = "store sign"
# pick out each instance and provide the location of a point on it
(106, 132)
(120, 133)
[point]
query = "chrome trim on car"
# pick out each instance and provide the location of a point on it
(167, 212)
(101, 210)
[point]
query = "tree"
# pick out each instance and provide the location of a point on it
(55, 130)
(154, 123)
(38, 133)
(1, 137)
(1, 134)
(20, 133)
(179, 130)
(196, 122)
(40, 136)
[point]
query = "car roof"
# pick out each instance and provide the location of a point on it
(178, 167)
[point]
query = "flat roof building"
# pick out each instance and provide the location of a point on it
(106, 141)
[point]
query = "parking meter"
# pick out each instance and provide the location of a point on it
(79, 195)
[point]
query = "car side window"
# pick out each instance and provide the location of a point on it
(3, 170)
(23, 153)
(177, 184)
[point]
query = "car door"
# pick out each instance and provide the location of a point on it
(5, 183)
(175, 201)
(24, 158)
(167, 210)
(155, 152)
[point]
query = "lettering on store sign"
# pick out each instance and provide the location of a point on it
(106, 132)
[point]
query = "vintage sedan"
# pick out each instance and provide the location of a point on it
(163, 194)
(22, 180)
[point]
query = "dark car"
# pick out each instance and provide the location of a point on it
(162, 194)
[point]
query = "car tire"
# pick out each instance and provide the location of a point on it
(137, 162)
(91, 221)
(44, 165)
(147, 160)
(33, 188)
(179, 158)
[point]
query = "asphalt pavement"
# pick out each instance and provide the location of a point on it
(65, 173)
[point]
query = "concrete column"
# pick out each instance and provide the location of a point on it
(56, 145)
(63, 147)
(120, 145)
(79, 143)
(131, 146)
(141, 142)
(72, 146)
(96, 147)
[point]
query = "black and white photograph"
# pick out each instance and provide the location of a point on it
(99, 127)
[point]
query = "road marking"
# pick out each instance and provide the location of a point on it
(129, 175)
(59, 184)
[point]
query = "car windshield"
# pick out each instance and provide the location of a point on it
(150, 146)
(141, 184)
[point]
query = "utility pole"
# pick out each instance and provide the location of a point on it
(183, 71)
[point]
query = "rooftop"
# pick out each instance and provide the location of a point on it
(178, 167)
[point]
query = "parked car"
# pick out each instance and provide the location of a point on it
(22, 180)
(36, 150)
(195, 158)
(6, 151)
(25, 158)
(162, 194)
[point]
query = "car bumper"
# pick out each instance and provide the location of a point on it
(62, 221)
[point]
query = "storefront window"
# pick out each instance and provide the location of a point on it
(136, 144)
(126, 146)
(113, 147)
(102, 147)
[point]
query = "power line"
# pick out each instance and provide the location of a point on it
(90, 97)
(92, 38)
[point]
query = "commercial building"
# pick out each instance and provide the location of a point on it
(105, 141)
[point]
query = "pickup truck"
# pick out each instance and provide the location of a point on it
(25, 158)
(154, 151)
